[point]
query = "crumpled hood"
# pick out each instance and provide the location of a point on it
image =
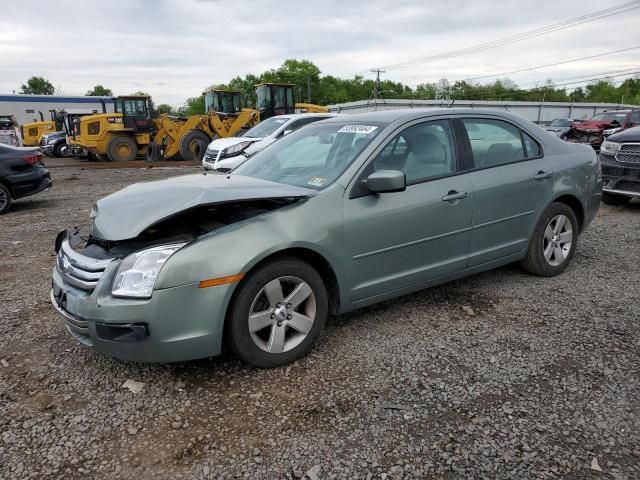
(127, 213)
(222, 143)
(591, 125)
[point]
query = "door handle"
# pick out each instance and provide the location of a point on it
(453, 196)
(542, 175)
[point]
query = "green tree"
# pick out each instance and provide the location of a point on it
(193, 106)
(165, 108)
(38, 86)
(99, 91)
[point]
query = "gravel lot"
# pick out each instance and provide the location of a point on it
(501, 375)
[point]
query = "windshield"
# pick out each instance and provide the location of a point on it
(263, 95)
(266, 127)
(312, 157)
(610, 117)
(560, 122)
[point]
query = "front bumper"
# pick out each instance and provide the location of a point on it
(175, 324)
(47, 150)
(619, 179)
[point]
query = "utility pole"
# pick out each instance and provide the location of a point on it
(308, 89)
(376, 89)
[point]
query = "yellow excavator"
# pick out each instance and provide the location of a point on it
(32, 132)
(130, 131)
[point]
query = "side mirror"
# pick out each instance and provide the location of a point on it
(385, 181)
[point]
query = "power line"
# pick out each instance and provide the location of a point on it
(551, 64)
(604, 13)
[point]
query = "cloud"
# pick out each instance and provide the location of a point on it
(173, 49)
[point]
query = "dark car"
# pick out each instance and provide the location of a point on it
(22, 173)
(600, 126)
(55, 144)
(620, 160)
(559, 126)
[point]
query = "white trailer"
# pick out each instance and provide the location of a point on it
(27, 108)
(539, 112)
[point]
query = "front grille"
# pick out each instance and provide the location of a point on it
(628, 186)
(211, 156)
(629, 153)
(78, 270)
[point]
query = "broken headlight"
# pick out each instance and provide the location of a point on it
(609, 148)
(234, 149)
(137, 273)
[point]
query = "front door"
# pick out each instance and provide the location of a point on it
(512, 183)
(396, 240)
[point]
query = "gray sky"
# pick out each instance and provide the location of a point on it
(173, 49)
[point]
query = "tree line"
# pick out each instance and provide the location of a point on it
(313, 87)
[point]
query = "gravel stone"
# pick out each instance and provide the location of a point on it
(541, 381)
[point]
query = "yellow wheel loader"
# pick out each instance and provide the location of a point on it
(187, 138)
(118, 136)
(32, 132)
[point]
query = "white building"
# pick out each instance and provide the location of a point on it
(27, 108)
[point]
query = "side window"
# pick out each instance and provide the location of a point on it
(301, 123)
(635, 118)
(493, 142)
(421, 151)
(532, 148)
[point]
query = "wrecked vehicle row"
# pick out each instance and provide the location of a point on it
(594, 131)
(343, 213)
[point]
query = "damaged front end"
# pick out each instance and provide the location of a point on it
(104, 282)
(591, 133)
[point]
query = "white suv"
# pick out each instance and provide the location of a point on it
(225, 154)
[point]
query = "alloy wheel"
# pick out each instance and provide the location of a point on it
(4, 199)
(282, 314)
(558, 239)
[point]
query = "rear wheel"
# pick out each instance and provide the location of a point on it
(278, 313)
(122, 149)
(193, 145)
(5, 199)
(613, 199)
(553, 242)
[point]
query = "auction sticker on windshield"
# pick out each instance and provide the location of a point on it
(366, 129)
(316, 181)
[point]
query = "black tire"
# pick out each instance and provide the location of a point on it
(122, 149)
(154, 153)
(193, 145)
(535, 261)
(239, 337)
(5, 199)
(61, 150)
(613, 199)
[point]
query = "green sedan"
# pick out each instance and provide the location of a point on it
(343, 213)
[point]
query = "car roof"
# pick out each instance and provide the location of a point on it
(408, 114)
(295, 116)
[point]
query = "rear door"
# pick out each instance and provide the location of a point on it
(512, 182)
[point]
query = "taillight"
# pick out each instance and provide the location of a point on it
(33, 158)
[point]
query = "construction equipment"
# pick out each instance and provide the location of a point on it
(10, 131)
(32, 132)
(130, 131)
(117, 136)
(187, 138)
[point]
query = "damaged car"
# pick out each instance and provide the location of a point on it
(340, 214)
(600, 126)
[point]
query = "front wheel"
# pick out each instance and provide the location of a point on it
(553, 242)
(278, 313)
(194, 144)
(122, 149)
(613, 199)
